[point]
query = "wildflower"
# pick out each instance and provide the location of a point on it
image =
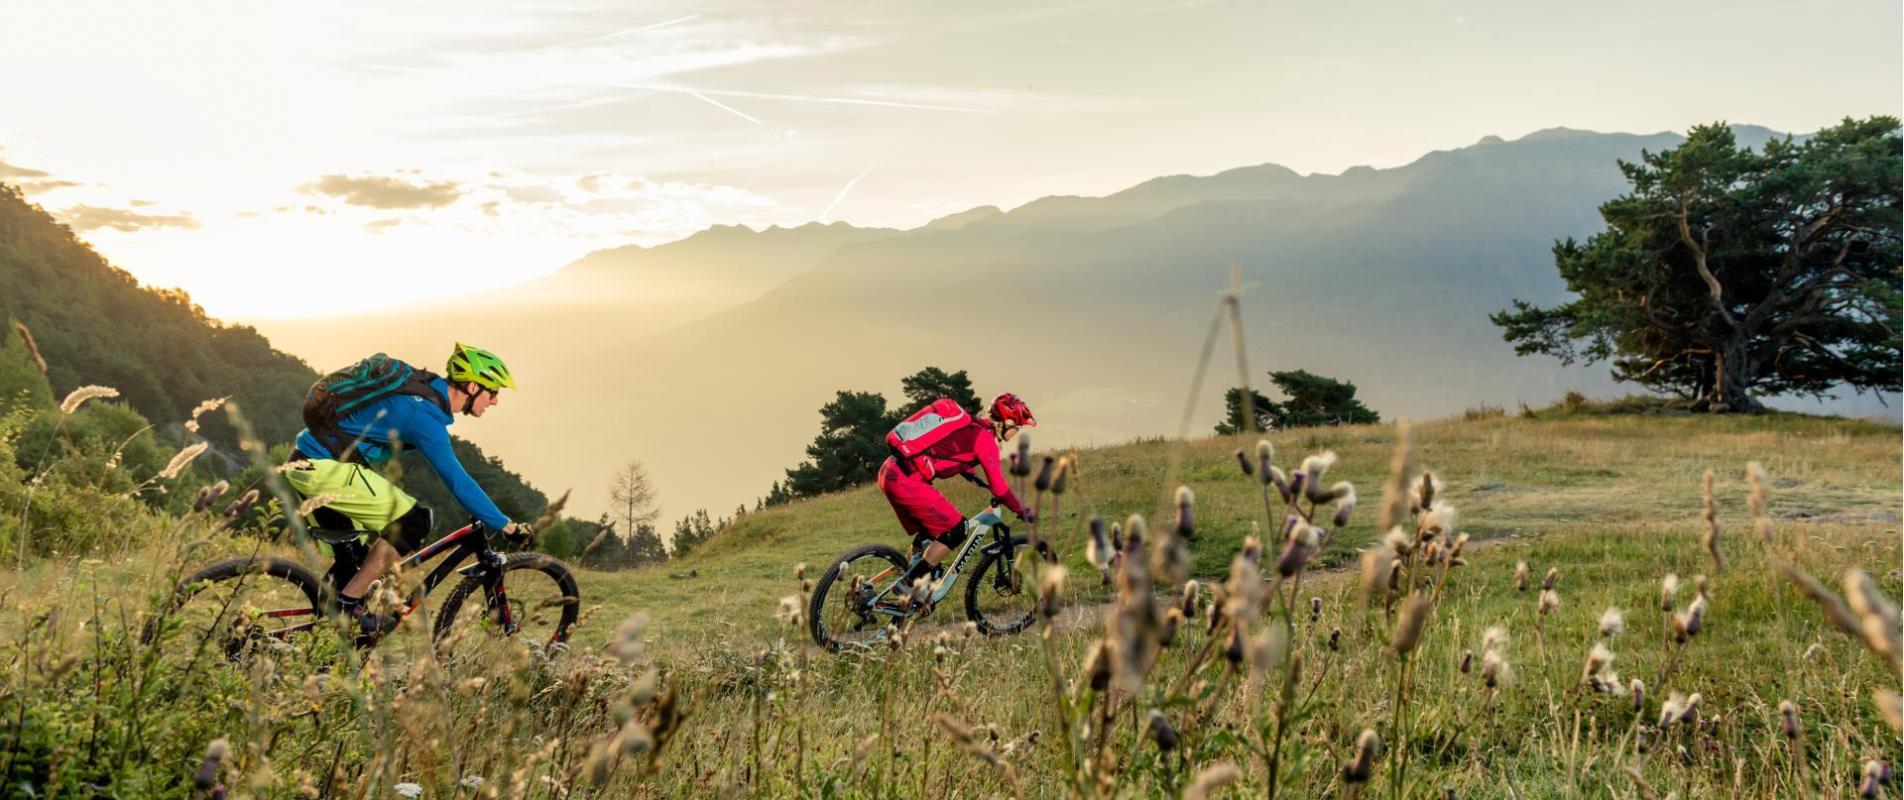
(1520, 576)
(1688, 625)
(32, 347)
(1245, 589)
(1875, 774)
(242, 504)
(1059, 480)
(1368, 748)
(1494, 638)
(1397, 542)
(181, 459)
(1668, 588)
(1439, 519)
(1553, 577)
(1265, 454)
(1549, 602)
(1298, 480)
(1301, 544)
(215, 754)
(1494, 669)
(1788, 719)
(1097, 666)
(1670, 710)
(1598, 660)
(1234, 652)
(80, 395)
(1409, 625)
(789, 610)
(1188, 603)
(1335, 638)
(1243, 461)
(1186, 517)
(1050, 592)
(209, 495)
(1210, 780)
(1467, 662)
(1314, 468)
(1281, 483)
(1097, 549)
(1421, 495)
(200, 410)
(1344, 503)
(1315, 609)
(1043, 481)
(314, 502)
(1173, 619)
(1878, 615)
(408, 790)
(1160, 729)
(1612, 622)
(1638, 689)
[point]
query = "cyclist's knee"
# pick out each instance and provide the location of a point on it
(954, 536)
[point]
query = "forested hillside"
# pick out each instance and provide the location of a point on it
(95, 325)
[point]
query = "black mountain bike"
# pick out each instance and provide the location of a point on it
(248, 602)
(854, 602)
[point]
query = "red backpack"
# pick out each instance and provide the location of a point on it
(911, 438)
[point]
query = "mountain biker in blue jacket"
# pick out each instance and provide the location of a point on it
(356, 497)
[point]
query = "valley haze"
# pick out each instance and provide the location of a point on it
(708, 357)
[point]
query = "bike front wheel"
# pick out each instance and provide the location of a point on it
(236, 607)
(538, 603)
(1002, 598)
(842, 612)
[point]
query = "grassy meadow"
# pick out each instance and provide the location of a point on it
(684, 681)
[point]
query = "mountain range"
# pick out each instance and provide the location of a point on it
(708, 358)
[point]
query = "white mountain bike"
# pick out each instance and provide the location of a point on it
(855, 604)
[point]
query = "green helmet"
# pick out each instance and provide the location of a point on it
(481, 367)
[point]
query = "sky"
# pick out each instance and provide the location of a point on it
(303, 159)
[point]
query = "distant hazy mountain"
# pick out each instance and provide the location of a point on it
(1091, 308)
(608, 297)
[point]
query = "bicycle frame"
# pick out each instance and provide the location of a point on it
(983, 523)
(469, 540)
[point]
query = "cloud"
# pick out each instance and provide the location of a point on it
(84, 218)
(385, 192)
(11, 171)
(42, 187)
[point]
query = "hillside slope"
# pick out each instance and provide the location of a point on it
(1510, 477)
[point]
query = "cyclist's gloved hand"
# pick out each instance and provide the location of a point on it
(518, 532)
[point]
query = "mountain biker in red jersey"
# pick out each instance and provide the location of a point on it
(923, 511)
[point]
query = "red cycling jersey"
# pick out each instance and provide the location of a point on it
(921, 509)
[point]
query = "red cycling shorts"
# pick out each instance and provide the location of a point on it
(921, 509)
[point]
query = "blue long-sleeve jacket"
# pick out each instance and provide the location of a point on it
(418, 423)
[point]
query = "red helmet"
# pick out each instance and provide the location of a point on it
(1008, 408)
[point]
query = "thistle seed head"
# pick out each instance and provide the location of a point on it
(1247, 464)
(1097, 549)
(1186, 512)
(1045, 468)
(1520, 576)
(1344, 503)
(1059, 481)
(1549, 602)
(1160, 730)
(1553, 577)
(1668, 588)
(1612, 622)
(1368, 748)
(1408, 626)
(1788, 719)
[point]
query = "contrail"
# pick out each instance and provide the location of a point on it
(629, 32)
(849, 187)
(724, 107)
(804, 98)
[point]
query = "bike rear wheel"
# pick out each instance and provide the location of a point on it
(237, 607)
(539, 593)
(841, 612)
(1003, 597)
